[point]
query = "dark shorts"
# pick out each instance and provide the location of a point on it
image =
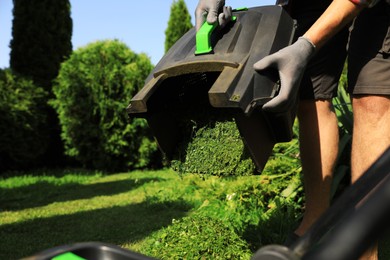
(369, 52)
(323, 72)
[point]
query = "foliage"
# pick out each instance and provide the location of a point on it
(22, 122)
(343, 108)
(178, 24)
(41, 39)
(343, 105)
(92, 91)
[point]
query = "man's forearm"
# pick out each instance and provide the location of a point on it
(338, 14)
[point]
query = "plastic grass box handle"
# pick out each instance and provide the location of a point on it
(203, 41)
(203, 36)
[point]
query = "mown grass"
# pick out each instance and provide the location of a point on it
(41, 212)
(47, 209)
(157, 213)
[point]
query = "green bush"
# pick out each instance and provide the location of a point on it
(92, 91)
(23, 136)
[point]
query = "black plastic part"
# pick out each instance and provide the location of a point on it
(91, 251)
(345, 205)
(363, 215)
(275, 252)
(224, 79)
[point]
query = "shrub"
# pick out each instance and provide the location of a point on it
(23, 136)
(92, 91)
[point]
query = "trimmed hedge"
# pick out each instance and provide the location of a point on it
(23, 135)
(92, 91)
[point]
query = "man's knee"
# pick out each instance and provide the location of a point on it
(368, 107)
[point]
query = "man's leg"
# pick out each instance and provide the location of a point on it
(371, 137)
(318, 136)
(371, 132)
(318, 129)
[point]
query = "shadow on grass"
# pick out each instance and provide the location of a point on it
(282, 223)
(274, 229)
(60, 172)
(44, 193)
(116, 225)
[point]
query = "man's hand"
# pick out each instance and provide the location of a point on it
(212, 11)
(291, 63)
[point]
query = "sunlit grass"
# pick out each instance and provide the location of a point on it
(135, 209)
(40, 211)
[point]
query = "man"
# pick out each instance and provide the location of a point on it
(369, 85)
(319, 86)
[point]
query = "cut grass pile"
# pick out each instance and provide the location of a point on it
(157, 213)
(140, 211)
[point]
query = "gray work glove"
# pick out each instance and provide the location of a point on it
(214, 10)
(291, 63)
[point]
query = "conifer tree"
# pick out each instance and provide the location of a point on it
(179, 23)
(41, 39)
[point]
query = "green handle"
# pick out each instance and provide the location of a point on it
(203, 36)
(203, 41)
(68, 256)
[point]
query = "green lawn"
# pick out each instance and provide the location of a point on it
(41, 212)
(147, 212)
